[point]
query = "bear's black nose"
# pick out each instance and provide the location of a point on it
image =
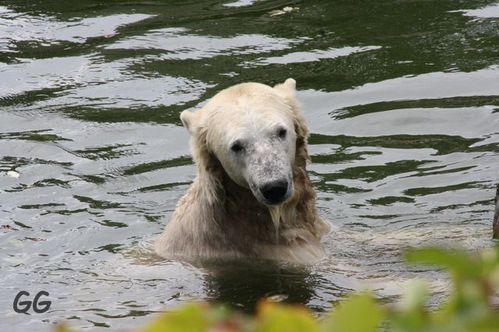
(275, 191)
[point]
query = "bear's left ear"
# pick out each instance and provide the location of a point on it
(191, 120)
(287, 89)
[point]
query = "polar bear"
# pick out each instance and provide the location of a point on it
(252, 197)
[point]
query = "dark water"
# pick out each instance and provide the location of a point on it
(402, 98)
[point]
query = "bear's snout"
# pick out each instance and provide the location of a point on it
(275, 192)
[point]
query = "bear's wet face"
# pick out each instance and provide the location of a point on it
(262, 162)
(258, 153)
(269, 171)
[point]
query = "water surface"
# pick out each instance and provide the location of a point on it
(401, 97)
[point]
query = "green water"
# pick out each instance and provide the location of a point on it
(401, 97)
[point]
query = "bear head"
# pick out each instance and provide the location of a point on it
(256, 134)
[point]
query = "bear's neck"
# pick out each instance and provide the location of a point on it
(236, 211)
(240, 202)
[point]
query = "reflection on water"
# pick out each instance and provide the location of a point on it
(402, 102)
(224, 283)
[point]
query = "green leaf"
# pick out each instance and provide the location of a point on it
(457, 261)
(274, 317)
(360, 313)
(191, 317)
(62, 328)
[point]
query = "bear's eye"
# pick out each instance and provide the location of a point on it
(236, 147)
(282, 133)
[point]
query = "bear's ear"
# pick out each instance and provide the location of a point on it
(191, 120)
(287, 89)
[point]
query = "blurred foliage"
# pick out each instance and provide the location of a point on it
(471, 306)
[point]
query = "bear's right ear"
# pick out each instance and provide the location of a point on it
(191, 120)
(287, 89)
